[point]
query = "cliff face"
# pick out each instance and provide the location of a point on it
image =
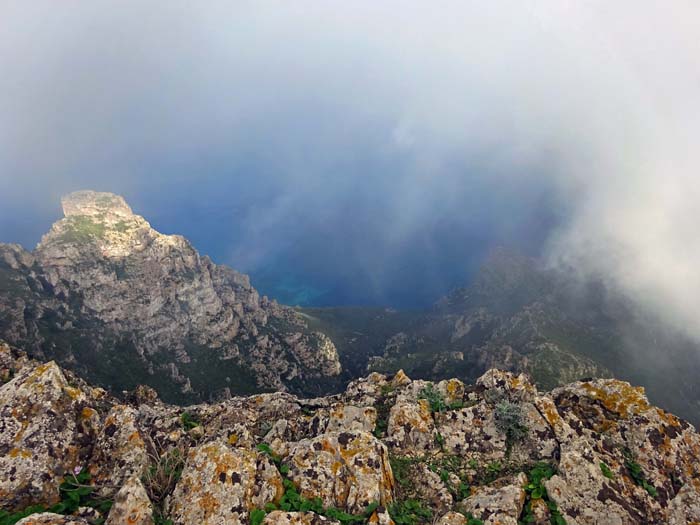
(388, 450)
(106, 293)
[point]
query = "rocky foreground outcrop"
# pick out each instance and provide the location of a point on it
(110, 297)
(387, 450)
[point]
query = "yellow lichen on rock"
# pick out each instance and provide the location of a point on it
(618, 396)
(221, 484)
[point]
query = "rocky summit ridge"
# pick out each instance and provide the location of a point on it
(107, 295)
(387, 450)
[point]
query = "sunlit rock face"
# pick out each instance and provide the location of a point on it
(500, 451)
(106, 293)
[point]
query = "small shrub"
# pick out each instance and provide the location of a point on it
(434, 398)
(188, 421)
(509, 421)
(440, 440)
(383, 409)
(162, 475)
(535, 489)
(257, 516)
(637, 474)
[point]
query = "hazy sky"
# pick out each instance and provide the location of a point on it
(369, 152)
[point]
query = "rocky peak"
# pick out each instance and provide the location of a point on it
(102, 281)
(99, 224)
(95, 204)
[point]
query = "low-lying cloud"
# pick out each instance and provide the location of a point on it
(384, 145)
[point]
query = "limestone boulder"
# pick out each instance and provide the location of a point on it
(411, 428)
(347, 470)
(222, 484)
(46, 430)
(500, 504)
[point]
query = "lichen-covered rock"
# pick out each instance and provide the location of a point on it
(614, 459)
(648, 453)
(351, 418)
(411, 427)
(498, 505)
(348, 470)
(366, 390)
(44, 434)
(472, 431)
(279, 517)
(452, 390)
(221, 484)
(131, 505)
(120, 451)
(48, 518)
(498, 384)
(583, 494)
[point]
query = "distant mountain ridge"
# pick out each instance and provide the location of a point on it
(520, 316)
(107, 295)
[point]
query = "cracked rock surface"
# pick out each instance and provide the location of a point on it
(384, 450)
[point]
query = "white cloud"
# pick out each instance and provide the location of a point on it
(598, 101)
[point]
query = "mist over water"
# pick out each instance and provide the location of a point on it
(370, 153)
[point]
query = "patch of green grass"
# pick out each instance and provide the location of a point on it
(492, 471)
(401, 468)
(82, 229)
(257, 516)
(446, 466)
(440, 440)
(121, 226)
(387, 389)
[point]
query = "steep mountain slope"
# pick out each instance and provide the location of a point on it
(388, 450)
(107, 295)
(520, 316)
